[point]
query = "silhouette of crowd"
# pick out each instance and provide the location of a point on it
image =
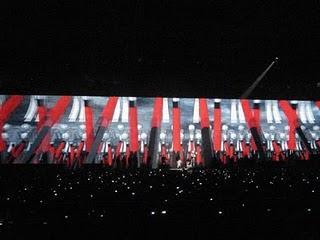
(260, 202)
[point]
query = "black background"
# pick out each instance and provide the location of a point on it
(168, 48)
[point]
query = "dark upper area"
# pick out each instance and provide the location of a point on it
(167, 48)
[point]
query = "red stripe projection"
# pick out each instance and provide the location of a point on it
(293, 122)
(18, 149)
(217, 129)
(71, 156)
(109, 155)
(58, 152)
(57, 111)
(256, 115)
(318, 104)
(108, 111)
(245, 149)
(176, 129)
(157, 112)
(198, 156)
(54, 116)
(277, 151)
(118, 149)
(127, 155)
(252, 117)
(42, 111)
(9, 106)
(204, 115)
(5, 110)
(89, 127)
(253, 144)
(133, 121)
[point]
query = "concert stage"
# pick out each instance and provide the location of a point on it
(133, 132)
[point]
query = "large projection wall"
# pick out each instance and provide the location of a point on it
(133, 131)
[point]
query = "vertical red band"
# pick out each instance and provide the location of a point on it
(118, 149)
(256, 115)
(204, 115)
(109, 156)
(133, 121)
(198, 156)
(108, 111)
(176, 129)
(157, 113)
(318, 104)
(251, 117)
(293, 122)
(5, 110)
(127, 155)
(217, 129)
(89, 127)
(72, 155)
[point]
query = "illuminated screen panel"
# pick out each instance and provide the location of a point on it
(74, 130)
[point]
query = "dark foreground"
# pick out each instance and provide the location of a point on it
(51, 202)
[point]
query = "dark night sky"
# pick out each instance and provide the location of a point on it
(147, 48)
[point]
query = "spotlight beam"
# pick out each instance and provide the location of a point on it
(248, 92)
